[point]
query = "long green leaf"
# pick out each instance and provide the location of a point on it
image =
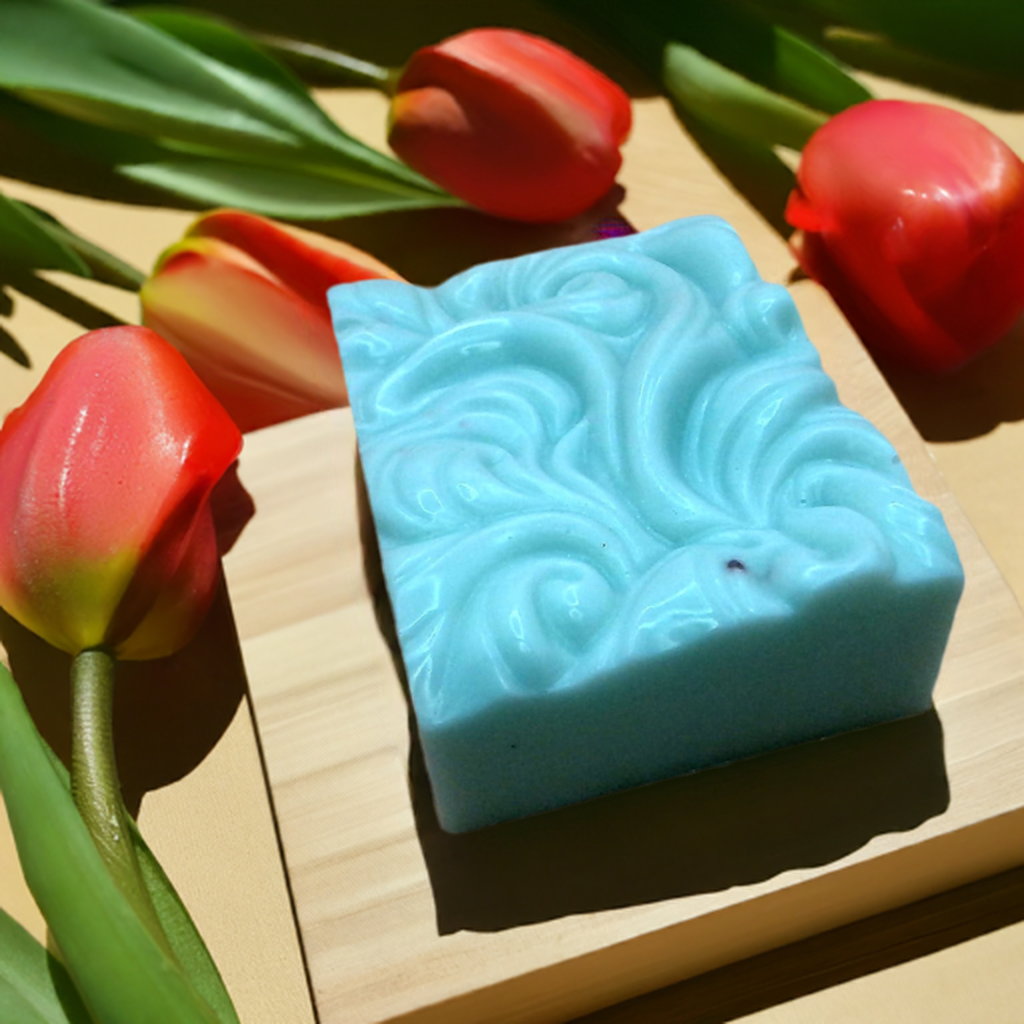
(289, 189)
(34, 986)
(714, 95)
(282, 94)
(26, 241)
(880, 56)
(129, 86)
(101, 265)
(119, 970)
(807, 74)
(730, 33)
(294, 193)
(987, 35)
(184, 937)
(182, 934)
(97, 64)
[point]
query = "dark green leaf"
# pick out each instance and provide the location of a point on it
(295, 193)
(131, 93)
(26, 241)
(34, 986)
(810, 76)
(322, 66)
(282, 95)
(730, 33)
(986, 35)
(881, 57)
(102, 265)
(9, 347)
(97, 64)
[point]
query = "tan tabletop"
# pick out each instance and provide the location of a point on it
(207, 808)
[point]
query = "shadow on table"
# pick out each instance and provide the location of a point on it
(168, 713)
(800, 807)
(971, 402)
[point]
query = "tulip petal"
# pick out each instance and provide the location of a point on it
(266, 353)
(307, 269)
(108, 467)
(913, 218)
(513, 123)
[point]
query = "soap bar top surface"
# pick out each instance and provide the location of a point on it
(582, 460)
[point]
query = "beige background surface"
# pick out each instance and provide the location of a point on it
(214, 827)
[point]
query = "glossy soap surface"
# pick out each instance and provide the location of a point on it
(626, 527)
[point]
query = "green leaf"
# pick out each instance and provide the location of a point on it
(119, 970)
(289, 190)
(130, 93)
(34, 986)
(183, 935)
(712, 94)
(734, 34)
(97, 64)
(986, 35)
(101, 265)
(282, 95)
(322, 66)
(808, 75)
(27, 241)
(185, 940)
(879, 56)
(294, 193)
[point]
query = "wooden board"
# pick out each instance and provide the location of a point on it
(378, 908)
(555, 916)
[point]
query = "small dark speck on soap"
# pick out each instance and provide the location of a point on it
(736, 564)
(895, 460)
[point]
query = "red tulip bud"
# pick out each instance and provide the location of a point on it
(512, 123)
(107, 471)
(912, 216)
(244, 300)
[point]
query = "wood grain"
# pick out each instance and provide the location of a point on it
(397, 924)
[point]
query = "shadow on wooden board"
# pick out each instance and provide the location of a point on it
(170, 712)
(971, 402)
(799, 807)
(832, 958)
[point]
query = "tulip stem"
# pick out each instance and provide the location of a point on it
(95, 785)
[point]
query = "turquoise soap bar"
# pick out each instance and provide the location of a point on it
(627, 528)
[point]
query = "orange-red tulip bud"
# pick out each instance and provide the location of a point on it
(912, 215)
(244, 300)
(513, 124)
(107, 471)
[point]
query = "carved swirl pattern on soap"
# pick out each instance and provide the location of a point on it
(606, 451)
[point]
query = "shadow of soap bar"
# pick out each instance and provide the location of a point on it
(627, 529)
